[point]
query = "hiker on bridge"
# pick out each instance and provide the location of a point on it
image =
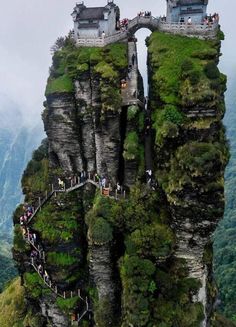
(28, 214)
(46, 277)
(147, 14)
(34, 238)
(82, 177)
(133, 59)
(40, 269)
(30, 209)
(61, 183)
(149, 176)
(123, 83)
(103, 182)
(21, 220)
(129, 73)
(118, 187)
(97, 178)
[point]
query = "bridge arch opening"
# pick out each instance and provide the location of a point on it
(141, 36)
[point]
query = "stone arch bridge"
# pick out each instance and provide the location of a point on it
(153, 24)
(139, 22)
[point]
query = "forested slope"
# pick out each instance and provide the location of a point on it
(225, 237)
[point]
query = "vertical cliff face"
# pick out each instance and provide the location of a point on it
(188, 104)
(143, 260)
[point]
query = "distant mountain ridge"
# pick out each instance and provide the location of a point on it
(16, 145)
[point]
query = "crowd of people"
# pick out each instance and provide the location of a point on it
(208, 20)
(211, 19)
(124, 23)
(36, 253)
(101, 180)
(144, 14)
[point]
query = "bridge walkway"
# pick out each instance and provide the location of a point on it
(130, 92)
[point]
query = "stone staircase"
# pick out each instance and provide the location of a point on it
(130, 92)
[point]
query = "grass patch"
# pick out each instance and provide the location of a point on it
(168, 54)
(12, 305)
(59, 85)
(61, 259)
(67, 304)
(56, 225)
(70, 63)
(131, 146)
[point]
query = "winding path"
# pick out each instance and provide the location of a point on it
(41, 253)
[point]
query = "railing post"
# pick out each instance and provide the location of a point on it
(64, 294)
(71, 293)
(89, 175)
(124, 194)
(71, 183)
(56, 289)
(116, 195)
(50, 284)
(64, 187)
(52, 187)
(46, 194)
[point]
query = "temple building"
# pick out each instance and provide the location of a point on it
(182, 10)
(94, 22)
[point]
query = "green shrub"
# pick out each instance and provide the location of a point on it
(111, 97)
(133, 266)
(68, 305)
(167, 130)
(59, 85)
(211, 70)
(33, 284)
(170, 113)
(61, 259)
(166, 78)
(20, 244)
(82, 68)
(101, 232)
(153, 241)
(205, 54)
(194, 76)
(57, 224)
(131, 146)
(141, 121)
(199, 158)
(186, 66)
(116, 54)
(132, 112)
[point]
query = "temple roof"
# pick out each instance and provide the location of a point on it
(92, 13)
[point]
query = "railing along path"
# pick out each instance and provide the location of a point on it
(39, 249)
(152, 23)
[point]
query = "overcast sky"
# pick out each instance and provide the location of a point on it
(28, 28)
